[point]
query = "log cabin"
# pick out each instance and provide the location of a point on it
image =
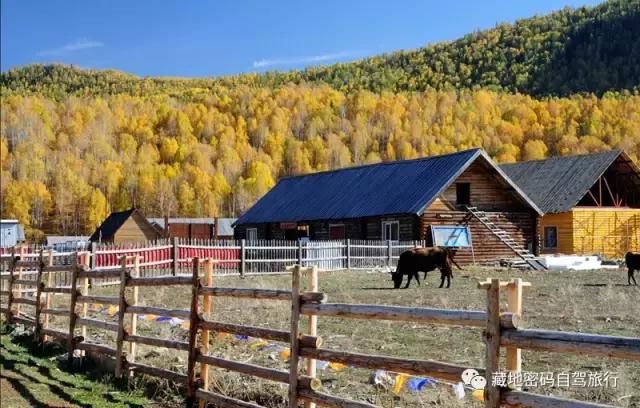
(196, 228)
(126, 226)
(462, 200)
(591, 203)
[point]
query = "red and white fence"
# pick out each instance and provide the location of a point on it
(174, 257)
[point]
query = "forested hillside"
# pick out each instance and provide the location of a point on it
(66, 164)
(583, 50)
(75, 144)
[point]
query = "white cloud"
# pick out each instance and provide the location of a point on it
(78, 45)
(303, 60)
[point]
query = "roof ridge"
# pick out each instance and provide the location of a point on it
(387, 163)
(573, 156)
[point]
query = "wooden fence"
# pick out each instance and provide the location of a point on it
(501, 330)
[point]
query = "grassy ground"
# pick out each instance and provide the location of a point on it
(33, 378)
(594, 302)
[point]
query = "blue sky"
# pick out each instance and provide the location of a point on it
(210, 38)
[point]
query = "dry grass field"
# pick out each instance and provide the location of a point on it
(585, 301)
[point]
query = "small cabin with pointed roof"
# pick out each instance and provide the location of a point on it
(461, 199)
(591, 203)
(126, 226)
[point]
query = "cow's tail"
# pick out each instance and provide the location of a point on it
(450, 258)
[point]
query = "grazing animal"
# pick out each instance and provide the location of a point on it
(633, 264)
(424, 259)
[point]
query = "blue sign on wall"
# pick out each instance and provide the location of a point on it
(451, 236)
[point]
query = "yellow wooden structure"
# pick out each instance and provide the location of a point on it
(608, 231)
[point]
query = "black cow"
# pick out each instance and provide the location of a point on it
(633, 264)
(423, 260)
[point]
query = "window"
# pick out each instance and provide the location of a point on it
(336, 231)
(252, 234)
(463, 193)
(550, 237)
(390, 230)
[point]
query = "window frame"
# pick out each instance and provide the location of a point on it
(251, 231)
(390, 223)
(544, 236)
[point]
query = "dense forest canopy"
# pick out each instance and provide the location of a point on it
(590, 49)
(77, 144)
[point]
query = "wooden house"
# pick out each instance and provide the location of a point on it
(196, 228)
(126, 226)
(461, 200)
(591, 203)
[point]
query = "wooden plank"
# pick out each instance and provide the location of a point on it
(84, 288)
(193, 335)
(401, 313)
(512, 398)
(514, 305)
(152, 341)
(97, 348)
(272, 374)
(159, 311)
(134, 301)
(72, 311)
(312, 327)
(98, 324)
(24, 321)
(37, 331)
(160, 281)
(47, 301)
(25, 301)
(157, 372)
(55, 312)
(294, 355)
(25, 282)
(107, 300)
(327, 400)
(221, 401)
(575, 343)
(99, 274)
(64, 291)
(430, 368)
(260, 332)
(272, 294)
(204, 336)
(122, 304)
(12, 269)
(492, 341)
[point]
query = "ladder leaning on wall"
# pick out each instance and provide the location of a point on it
(506, 239)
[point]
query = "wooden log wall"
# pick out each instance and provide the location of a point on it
(486, 246)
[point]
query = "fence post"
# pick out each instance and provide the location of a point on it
(92, 259)
(122, 304)
(72, 310)
(47, 298)
(86, 262)
(134, 302)
(12, 270)
(243, 257)
(312, 286)
(492, 341)
(204, 337)
(39, 283)
(294, 356)
(193, 333)
(300, 253)
(514, 305)
(348, 254)
(389, 253)
(176, 254)
(20, 288)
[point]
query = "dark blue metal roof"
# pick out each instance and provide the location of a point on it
(401, 187)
